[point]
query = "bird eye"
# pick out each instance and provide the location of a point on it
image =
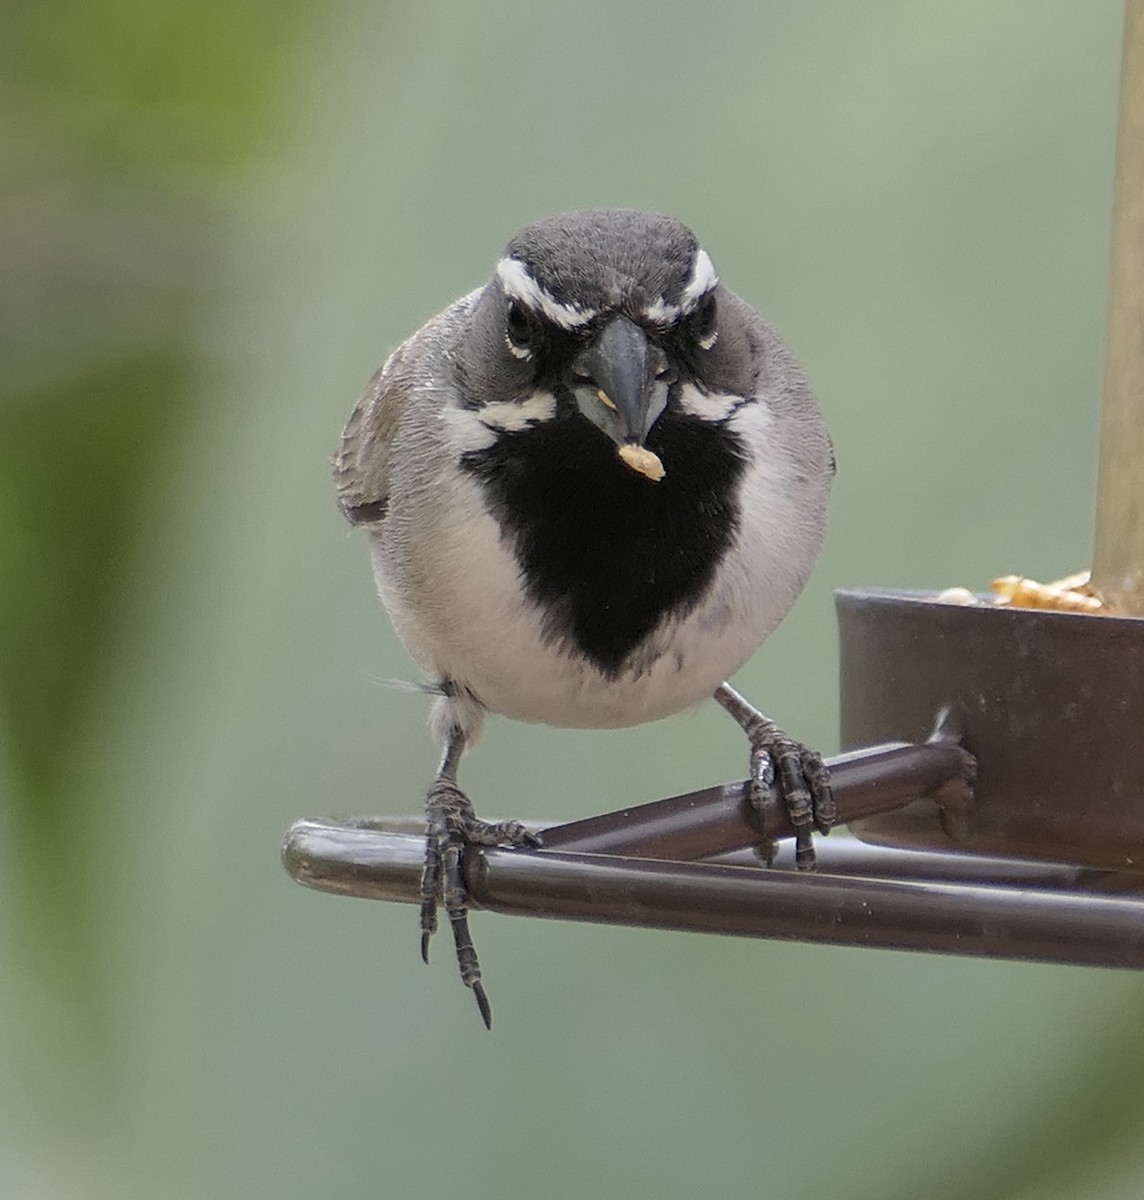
(520, 333)
(703, 323)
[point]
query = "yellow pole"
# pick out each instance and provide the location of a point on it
(1118, 557)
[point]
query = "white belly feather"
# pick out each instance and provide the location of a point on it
(473, 622)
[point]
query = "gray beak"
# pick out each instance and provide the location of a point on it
(625, 393)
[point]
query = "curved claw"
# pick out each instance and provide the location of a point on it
(453, 825)
(483, 1005)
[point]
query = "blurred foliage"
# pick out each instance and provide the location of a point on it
(122, 128)
(215, 220)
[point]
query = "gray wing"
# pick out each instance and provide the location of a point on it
(362, 463)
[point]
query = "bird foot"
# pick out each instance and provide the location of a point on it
(786, 772)
(453, 825)
(794, 775)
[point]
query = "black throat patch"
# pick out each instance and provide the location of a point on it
(605, 552)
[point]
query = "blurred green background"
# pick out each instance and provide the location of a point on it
(215, 221)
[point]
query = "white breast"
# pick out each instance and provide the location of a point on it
(473, 623)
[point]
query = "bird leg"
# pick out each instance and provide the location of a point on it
(451, 826)
(787, 771)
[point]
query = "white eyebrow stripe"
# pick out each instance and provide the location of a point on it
(703, 279)
(661, 313)
(520, 285)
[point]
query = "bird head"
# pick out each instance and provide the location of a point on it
(611, 306)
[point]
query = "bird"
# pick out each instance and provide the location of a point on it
(592, 487)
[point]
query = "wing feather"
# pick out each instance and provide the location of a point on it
(363, 457)
(361, 462)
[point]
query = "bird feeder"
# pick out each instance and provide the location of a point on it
(1052, 702)
(995, 781)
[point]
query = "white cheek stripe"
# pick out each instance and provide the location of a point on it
(711, 407)
(520, 285)
(513, 416)
(465, 432)
(472, 429)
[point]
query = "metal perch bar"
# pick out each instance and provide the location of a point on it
(352, 857)
(713, 820)
(950, 918)
(1043, 923)
(943, 903)
(381, 859)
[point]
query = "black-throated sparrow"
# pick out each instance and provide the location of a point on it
(592, 487)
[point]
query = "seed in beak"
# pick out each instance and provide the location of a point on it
(645, 461)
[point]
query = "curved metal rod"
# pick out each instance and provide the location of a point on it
(1052, 922)
(713, 820)
(945, 903)
(948, 918)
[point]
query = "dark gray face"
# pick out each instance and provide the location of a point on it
(611, 305)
